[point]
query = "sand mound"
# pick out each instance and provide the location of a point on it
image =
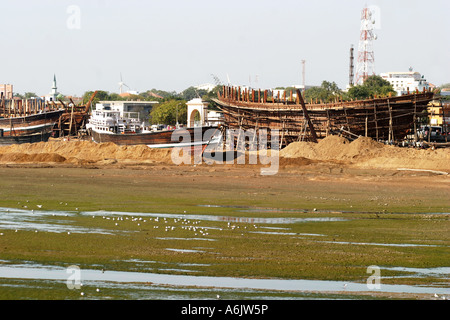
(367, 153)
(33, 157)
(81, 152)
(363, 153)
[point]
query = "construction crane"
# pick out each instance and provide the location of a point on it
(217, 80)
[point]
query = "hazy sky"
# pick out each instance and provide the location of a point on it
(173, 44)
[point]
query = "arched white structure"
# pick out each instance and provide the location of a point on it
(197, 105)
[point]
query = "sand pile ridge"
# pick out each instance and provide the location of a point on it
(365, 152)
(80, 151)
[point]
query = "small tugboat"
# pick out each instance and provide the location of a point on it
(107, 124)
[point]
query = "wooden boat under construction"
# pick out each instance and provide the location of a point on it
(23, 121)
(74, 119)
(382, 118)
(36, 120)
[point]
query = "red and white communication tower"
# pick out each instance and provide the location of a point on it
(366, 59)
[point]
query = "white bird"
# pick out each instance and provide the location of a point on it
(39, 206)
(345, 286)
(218, 297)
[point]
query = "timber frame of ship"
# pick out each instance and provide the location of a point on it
(381, 118)
(69, 119)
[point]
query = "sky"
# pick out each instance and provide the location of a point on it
(174, 44)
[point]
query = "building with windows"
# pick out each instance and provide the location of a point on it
(404, 82)
(6, 90)
(141, 109)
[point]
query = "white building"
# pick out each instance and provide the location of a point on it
(402, 82)
(206, 86)
(207, 117)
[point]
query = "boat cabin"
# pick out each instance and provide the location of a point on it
(107, 119)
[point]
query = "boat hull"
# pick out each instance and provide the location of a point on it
(40, 123)
(185, 137)
(26, 138)
(388, 118)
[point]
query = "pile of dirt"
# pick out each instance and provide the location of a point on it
(366, 153)
(81, 152)
(362, 153)
(33, 157)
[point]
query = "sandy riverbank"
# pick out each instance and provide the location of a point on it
(363, 153)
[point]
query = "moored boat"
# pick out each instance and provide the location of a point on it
(110, 125)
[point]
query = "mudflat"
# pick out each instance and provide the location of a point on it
(354, 216)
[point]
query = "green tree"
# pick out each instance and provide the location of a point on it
(358, 93)
(114, 97)
(162, 93)
(327, 92)
(373, 85)
(166, 112)
(210, 95)
(100, 96)
(192, 93)
(29, 95)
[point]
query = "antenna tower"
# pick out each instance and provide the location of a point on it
(366, 59)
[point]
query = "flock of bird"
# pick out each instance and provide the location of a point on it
(183, 223)
(172, 224)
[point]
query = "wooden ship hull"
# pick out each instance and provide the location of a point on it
(26, 138)
(35, 120)
(386, 118)
(28, 128)
(74, 119)
(157, 139)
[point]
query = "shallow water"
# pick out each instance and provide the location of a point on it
(47, 221)
(384, 244)
(206, 217)
(60, 221)
(41, 220)
(89, 275)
